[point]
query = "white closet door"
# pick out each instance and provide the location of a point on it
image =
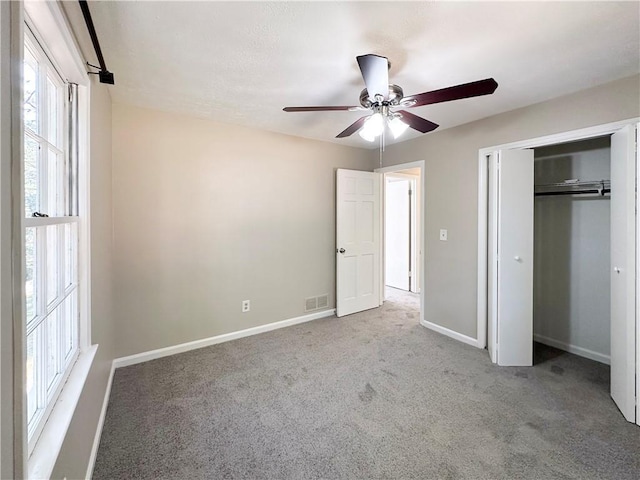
(492, 258)
(623, 274)
(515, 258)
(397, 241)
(358, 241)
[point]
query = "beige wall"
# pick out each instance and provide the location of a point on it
(452, 186)
(74, 457)
(207, 215)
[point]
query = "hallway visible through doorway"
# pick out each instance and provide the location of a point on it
(402, 298)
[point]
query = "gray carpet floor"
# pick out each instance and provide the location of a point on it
(371, 395)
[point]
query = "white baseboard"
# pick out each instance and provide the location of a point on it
(205, 342)
(583, 352)
(450, 333)
(98, 435)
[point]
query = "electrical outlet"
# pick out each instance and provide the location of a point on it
(246, 306)
(443, 235)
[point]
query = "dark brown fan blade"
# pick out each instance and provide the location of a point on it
(466, 90)
(375, 73)
(417, 123)
(353, 128)
(316, 109)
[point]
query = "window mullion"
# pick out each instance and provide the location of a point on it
(62, 329)
(43, 176)
(42, 144)
(39, 331)
(42, 366)
(62, 135)
(35, 323)
(33, 135)
(62, 252)
(41, 268)
(60, 210)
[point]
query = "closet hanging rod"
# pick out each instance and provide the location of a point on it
(601, 192)
(600, 187)
(576, 184)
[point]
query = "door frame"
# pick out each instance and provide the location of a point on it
(421, 209)
(484, 154)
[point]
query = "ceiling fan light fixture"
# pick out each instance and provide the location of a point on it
(397, 126)
(373, 127)
(366, 135)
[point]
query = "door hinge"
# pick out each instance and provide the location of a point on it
(410, 192)
(410, 274)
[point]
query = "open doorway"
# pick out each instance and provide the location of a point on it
(401, 266)
(572, 248)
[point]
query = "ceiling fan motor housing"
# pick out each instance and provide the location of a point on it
(395, 97)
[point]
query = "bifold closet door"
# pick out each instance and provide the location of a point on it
(623, 274)
(515, 258)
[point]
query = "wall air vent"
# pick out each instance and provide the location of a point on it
(310, 304)
(316, 303)
(323, 301)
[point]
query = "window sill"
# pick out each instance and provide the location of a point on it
(45, 453)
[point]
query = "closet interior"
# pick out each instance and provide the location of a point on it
(571, 273)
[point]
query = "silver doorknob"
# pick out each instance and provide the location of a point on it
(616, 269)
(517, 258)
(342, 250)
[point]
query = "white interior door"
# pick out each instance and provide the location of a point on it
(358, 245)
(515, 258)
(623, 274)
(397, 232)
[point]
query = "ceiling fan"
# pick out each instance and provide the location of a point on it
(384, 99)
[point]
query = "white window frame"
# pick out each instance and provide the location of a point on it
(51, 30)
(49, 393)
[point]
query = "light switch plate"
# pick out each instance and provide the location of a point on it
(443, 235)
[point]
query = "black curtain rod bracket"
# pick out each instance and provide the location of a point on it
(104, 74)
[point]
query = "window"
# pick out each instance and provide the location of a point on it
(51, 234)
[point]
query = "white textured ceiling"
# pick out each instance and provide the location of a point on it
(241, 62)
